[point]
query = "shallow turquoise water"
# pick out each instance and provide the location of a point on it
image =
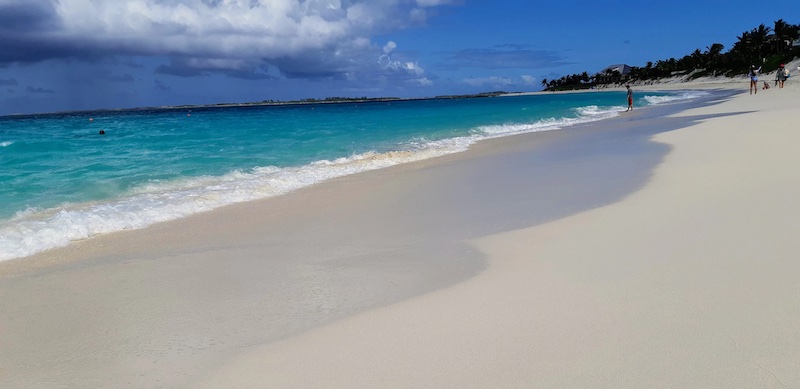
(62, 181)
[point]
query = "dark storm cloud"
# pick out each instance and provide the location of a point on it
(193, 67)
(26, 33)
(191, 71)
(181, 71)
(25, 17)
(32, 31)
(312, 65)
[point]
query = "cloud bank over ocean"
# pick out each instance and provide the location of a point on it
(239, 38)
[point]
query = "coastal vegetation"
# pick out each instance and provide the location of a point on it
(763, 46)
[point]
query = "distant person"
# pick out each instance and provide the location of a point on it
(630, 98)
(753, 74)
(102, 132)
(766, 85)
(781, 74)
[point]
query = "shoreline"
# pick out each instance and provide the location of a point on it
(203, 248)
(28, 236)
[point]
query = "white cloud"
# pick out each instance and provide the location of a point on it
(388, 63)
(414, 68)
(389, 47)
(528, 80)
(334, 34)
(399, 68)
(244, 28)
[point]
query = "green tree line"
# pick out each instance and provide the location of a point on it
(763, 46)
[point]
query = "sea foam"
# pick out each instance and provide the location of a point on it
(673, 98)
(34, 230)
(583, 115)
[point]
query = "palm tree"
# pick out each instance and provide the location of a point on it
(697, 60)
(742, 42)
(715, 49)
(648, 69)
(742, 51)
(663, 68)
(544, 83)
(781, 30)
(714, 55)
(758, 40)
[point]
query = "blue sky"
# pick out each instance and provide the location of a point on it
(59, 55)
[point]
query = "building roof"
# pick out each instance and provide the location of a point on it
(621, 68)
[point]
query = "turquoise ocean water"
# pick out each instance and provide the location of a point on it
(61, 181)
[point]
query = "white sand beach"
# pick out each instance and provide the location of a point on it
(691, 282)
(682, 275)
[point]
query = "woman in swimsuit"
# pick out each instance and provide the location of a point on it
(753, 73)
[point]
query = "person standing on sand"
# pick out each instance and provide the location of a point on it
(630, 98)
(753, 73)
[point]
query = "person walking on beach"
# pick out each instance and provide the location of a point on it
(630, 98)
(753, 73)
(780, 75)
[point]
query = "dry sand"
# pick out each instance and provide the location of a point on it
(641, 252)
(691, 282)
